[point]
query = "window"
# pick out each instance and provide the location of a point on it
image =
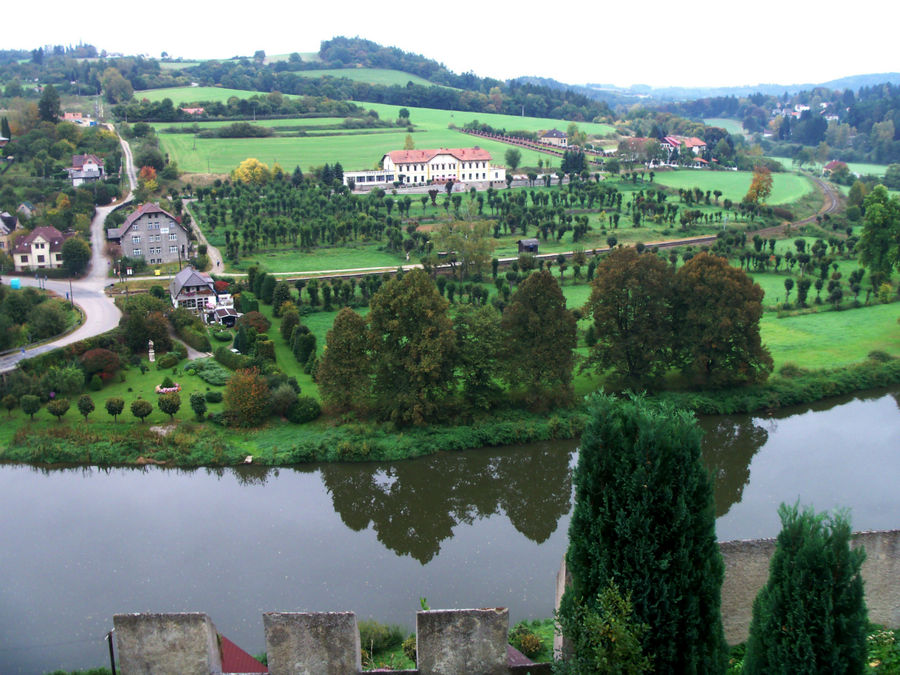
(137, 253)
(24, 258)
(136, 226)
(136, 239)
(173, 249)
(173, 237)
(40, 258)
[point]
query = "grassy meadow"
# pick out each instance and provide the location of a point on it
(384, 76)
(731, 126)
(786, 188)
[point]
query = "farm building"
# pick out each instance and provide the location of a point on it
(528, 245)
(421, 167)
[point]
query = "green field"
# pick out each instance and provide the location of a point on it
(178, 65)
(275, 124)
(863, 169)
(383, 76)
(731, 126)
(786, 188)
(182, 95)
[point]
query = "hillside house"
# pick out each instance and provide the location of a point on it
(421, 167)
(153, 234)
(554, 137)
(85, 169)
(41, 249)
(8, 224)
(193, 290)
(681, 143)
(26, 209)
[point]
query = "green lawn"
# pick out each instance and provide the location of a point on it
(182, 95)
(863, 168)
(786, 188)
(731, 126)
(383, 76)
(829, 339)
(178, 65)
(275, 124)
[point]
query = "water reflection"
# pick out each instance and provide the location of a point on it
(414, 506)
(728, 448)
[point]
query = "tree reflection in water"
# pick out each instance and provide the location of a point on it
(414, 505)
(729, 445)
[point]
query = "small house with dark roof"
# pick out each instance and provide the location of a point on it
(193, 290)
(154, 234)
(554, 137)
(8, 224)
(85, 169)
(41, 249)
(528, 245)
(26, 209)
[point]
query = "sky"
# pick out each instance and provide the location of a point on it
(687, 43)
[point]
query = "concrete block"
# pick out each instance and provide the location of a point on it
(309, 643)
(185, 643)
(453, 641)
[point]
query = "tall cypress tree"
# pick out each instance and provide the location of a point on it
(644, 519)
(810, 617)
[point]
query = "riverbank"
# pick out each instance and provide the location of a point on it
(192, 444)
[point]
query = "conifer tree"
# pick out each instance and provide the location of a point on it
(644, 520)
(811, 615)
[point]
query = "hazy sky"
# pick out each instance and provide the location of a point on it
(688, 43)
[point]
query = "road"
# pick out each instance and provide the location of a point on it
(100, 312)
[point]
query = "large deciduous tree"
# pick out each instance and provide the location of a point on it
(760, 186)
(810, 617)
(513, 158)
(247, 398)
(412, 344)
(478, 344)
(49, 106)
(644, 520)
(344, 372)
(718, 308)
(540, 340)
(631, 303)
(471, 242)
(879, 244)
(76, 255)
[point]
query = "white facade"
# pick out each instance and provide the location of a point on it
(423, 167)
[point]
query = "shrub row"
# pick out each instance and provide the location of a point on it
(194, 338)
(231, 360)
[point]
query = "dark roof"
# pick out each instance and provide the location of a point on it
(527, 242)
(189, 277)
(79, 161)
(236, 660)
(48, 233)
(146, 208)
(553, 133)
(8, 223)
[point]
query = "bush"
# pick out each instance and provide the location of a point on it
(305, 410)
(167, 382)
(879, 356)
(525, 640)
(214, 396)
(195, 339)
(210, 371)
(247, 398)
(283, 399)
(96, 383)
(198, 405)
(223, 335)
(379, 637)
(409, 648)
(231, 360)
(167, 360)
(254, 320)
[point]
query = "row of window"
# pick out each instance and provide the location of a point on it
(409, 168)
(150, 226)
(154, 250)
(136, 239)
(38, 259)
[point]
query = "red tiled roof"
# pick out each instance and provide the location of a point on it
(834, 164)
(236, 660)
(78, 161)
(425, 156)
(50, 234)
(149, 207)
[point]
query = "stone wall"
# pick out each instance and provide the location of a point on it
(449, 642)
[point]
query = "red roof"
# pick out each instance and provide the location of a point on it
(425, 156)
(49, 234)
(145, 208)
(236, 660)
(78, 161)
(835, 164)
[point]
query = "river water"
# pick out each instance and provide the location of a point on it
(481, 528)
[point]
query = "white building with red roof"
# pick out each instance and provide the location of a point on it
(154, 234)
(692, 143)
(424, 167)
(41, 249)
(85, 168)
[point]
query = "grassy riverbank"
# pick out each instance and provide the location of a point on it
(188, 444)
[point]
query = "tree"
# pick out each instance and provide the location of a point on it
(30, 405)
(46, 320)
(412, 344)
(344, 373)
(49, 106)
(114, 406)
(513, 157)
(788, 287)
(472, 242)
(644, 520)
(169, 403)
(879, 244)
(539, 341)
(9, 402)
(141, 409)
(116, 88)
(631, 303)
(409, 143)
(76, 255)
(760, 186)
(58, 407)
(478, 344)
(252, 171)
(717, 313)
(198, 405)
(810, 617)
(85, 405)
(247, 398)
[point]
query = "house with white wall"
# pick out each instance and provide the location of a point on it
(41, 249)
(422, 167)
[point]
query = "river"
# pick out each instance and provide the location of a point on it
(481, 528)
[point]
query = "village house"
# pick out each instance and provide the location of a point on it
(26, 209)
(193, 290)
(8, 224)
(153, 234)
(421, 167)
(41, 249)
(554, 137)
(85, 168)
(680, 143)
(192, 111)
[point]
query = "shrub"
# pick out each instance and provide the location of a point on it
(30, 404)
(283, 399)
(9, 402)
(305, 410)
(247, 398)
(167, 360)
(96, 383)
(254, 320)
(409, 648)
(169, 403)
(214, 396)
(210, 371)
(114, 407)
(222, 335)
(141, 409)
(198, 405)
(167, 383)
(265, 349)
(379, 637)
(791, 369)
(85, 405)
(180, 350)
(525, 640)
(100, 361)
(58, 407)
(880, 356)
(231, 360)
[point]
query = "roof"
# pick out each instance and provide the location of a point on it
(145, 208)
(528, 242)
(553, 133)
(688, 141)
(47, 233)
(8, 223)
(79, 161)
(425, 156)
(236, 660)
(835, 164)
(189, 277)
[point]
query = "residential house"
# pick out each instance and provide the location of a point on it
(193, 290)
(153, 234)
(26, 209)
(554, 137)
(8, 224)
(193, 111)
(41, 249)
(421, 167)
(85, 168)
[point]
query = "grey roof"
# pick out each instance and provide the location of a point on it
(554, 133)
(189, 277)
(114, 233)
